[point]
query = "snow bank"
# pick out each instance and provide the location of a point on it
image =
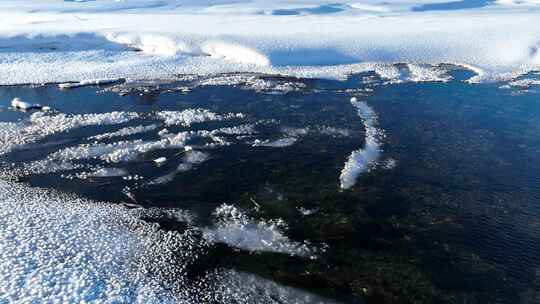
(72, 41)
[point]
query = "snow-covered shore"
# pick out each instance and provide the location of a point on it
(58, 41)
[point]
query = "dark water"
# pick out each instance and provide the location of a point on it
(455, 221)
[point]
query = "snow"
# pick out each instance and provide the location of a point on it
(85, 41)
(66, 249)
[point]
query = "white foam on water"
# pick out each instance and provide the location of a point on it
(360, 160)
(235, 228)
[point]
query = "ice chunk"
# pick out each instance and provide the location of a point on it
(17, 103)
(160, 160)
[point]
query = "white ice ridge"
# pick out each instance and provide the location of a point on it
(56, 41)
(41, 125)
(234, 228)
(360, 160)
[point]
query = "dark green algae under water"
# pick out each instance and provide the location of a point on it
(457, 220)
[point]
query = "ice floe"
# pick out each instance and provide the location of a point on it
(360, 160)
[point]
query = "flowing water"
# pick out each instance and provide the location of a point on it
(291, 190)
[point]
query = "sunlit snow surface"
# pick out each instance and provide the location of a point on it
(104, 40)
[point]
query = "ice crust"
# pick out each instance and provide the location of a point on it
(53, 41)
(60, 248)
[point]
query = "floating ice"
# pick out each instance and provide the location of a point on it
(17, 103)
(41, 125)
(234, 228)
(360, 160)
(278, 143)
(90, 82)
(189, 116)
(160, 160)
(126, 132)
(119, 151)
